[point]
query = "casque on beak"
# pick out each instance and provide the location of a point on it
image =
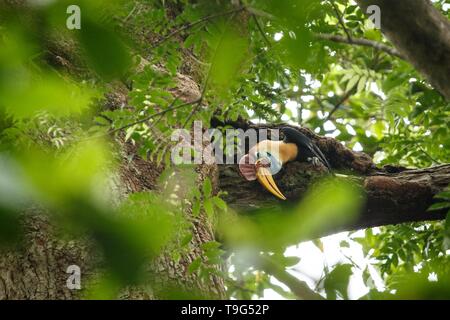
(265, 178)
(256, 167)
(267, 158)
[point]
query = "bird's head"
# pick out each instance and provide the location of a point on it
(266, 159)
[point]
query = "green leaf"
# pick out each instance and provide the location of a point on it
(353, 81)
(344, 244)
(348, 75)
(326, 206)
(105, 51)
(187, 238)
(361, 84)
(443, 195)
(337, 281)
(207, 188)
(195, 265)
(196, 208)
(211, 245)
(208, 206)
(439, 206)
(229, 50)
(378, 129)
(291, 261)
(219, 203)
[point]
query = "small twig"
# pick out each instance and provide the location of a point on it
(130, 14)
(193, 24)
(191, 114)
(205, 85)
(319, 102)
(193, 57)
(261, 30)
(260, 13)
(341, 21)
(361, 42)
(351, 260)
(170, 108)
(322, 277)
(341, 101)
(428, 155)
(352, 89)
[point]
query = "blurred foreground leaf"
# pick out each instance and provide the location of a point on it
(326, 206)
(228, 56)
(105, 51)
(336, 283)
(25, 88)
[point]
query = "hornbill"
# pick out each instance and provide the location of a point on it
(267, 158)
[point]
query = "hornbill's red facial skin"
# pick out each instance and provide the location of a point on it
(267, 158)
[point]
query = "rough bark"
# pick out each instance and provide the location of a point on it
(393, 194)
(421, 34)
(140, 176)
(37, 268)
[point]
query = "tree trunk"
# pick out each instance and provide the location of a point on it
(37, 269)
(421, 34)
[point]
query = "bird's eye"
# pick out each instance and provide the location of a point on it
(257, 155)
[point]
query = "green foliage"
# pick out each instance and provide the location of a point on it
(262, 62)
(336, 282)
(325, 207)
(107, 54)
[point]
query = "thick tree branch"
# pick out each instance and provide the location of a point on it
(361, 42)
(393, 195)
(421, 34)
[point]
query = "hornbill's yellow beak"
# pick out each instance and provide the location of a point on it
(271, 155)
(265, 178)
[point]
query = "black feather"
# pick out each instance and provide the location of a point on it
(307, 147)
